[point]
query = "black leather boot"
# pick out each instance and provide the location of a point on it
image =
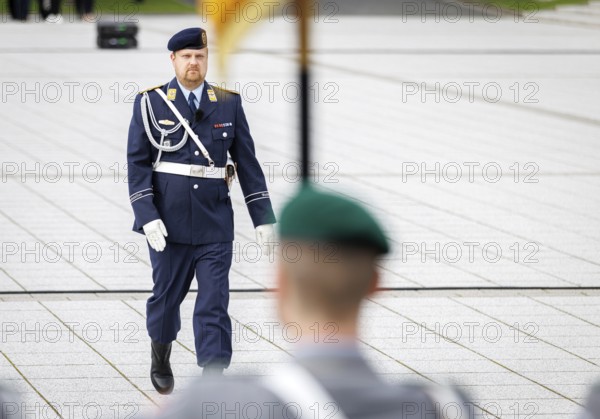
(160, 371)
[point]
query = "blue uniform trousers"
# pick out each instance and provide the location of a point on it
(173, 271)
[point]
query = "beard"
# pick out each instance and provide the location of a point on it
(193, 76)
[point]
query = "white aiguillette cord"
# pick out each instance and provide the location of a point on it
(293, 384)
(186, 126)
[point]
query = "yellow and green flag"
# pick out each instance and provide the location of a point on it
(231, 19)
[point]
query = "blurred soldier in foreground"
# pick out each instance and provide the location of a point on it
(592, 404)
(327, 267)
(9, 404)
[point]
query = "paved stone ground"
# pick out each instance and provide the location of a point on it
(474, 140)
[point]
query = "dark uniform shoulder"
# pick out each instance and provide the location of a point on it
(219, 94)
(223, 91)
(151, 88)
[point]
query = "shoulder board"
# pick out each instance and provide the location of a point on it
(151, 88)
(224, 90)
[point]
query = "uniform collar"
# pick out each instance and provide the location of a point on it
(206, 106)
(197, 91)
(342, 347)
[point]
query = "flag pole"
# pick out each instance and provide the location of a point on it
(303, 7)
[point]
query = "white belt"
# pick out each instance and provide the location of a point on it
(194, 170)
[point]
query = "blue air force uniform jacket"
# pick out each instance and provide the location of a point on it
(195, 210)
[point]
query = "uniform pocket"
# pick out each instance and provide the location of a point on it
(225, 133)
(222, 140)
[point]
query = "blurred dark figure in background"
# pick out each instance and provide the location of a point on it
(85, 9)
(327, 266)
(592, 404)
(19, 9)
(50, 10)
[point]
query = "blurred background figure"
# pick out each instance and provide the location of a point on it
(19, 9)
(50, 11)
(592, 404)
(327, 266)
(85, 9)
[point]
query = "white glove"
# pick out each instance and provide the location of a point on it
(265, 237)
(155, 234)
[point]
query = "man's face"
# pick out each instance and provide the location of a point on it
(190, 65)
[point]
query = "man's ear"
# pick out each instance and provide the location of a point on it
(374, 283)
(172, 56)
(282, 292)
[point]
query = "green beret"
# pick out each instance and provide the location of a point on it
(316, 215)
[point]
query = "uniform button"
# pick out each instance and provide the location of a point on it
(224, 134)
(195, 186)
(196, 153)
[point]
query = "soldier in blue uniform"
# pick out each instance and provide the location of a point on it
(187, 140)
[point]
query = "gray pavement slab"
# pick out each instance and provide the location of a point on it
(494, 187)
(497, 374)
